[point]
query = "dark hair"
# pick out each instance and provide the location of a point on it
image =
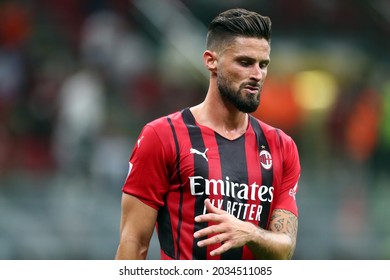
(237, 22)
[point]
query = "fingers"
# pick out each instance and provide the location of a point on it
(211, 208)
(219, 238)
(223, 229)
(222, 249)
(213, 213)
(223, 239)
(216, 239)
(219, 230)
(214, 229)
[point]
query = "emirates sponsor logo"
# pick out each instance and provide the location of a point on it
(238, 199)
(201, 186)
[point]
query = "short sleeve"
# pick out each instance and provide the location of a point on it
(148, 177)
(290, 175)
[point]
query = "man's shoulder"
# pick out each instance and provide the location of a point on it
(165, 120)
(272, 131)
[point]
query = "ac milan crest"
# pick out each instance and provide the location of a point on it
(265, 159)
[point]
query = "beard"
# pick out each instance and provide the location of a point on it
(246, 103)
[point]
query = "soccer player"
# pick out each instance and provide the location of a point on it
(214, 181)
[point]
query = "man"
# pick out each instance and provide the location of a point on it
(216, 182)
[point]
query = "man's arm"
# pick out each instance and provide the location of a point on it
(276, 243)
(136, 229)
(279, 241)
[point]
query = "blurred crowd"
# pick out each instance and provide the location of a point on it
(78, 80)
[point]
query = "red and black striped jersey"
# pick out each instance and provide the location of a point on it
(177, 163)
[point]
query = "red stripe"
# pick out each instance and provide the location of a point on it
(214, 172)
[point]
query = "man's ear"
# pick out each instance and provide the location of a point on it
(210, 60)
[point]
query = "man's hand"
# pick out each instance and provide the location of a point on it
(223, 228)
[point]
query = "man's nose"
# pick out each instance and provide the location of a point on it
(257, 73)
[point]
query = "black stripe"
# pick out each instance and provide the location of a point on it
(267, 175)
(165, 234)
(233, 162)
(201, 168)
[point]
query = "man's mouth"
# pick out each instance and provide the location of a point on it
(252, 89)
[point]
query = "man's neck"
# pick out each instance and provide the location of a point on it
(225, 120)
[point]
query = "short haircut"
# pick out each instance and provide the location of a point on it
(228, 25)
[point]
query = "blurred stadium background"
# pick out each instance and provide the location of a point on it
(78, 79)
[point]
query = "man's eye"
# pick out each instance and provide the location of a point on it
(244, 62)
(263, 65)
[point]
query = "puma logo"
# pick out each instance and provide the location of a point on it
(195, 151)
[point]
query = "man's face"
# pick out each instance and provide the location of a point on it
(241, 71)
